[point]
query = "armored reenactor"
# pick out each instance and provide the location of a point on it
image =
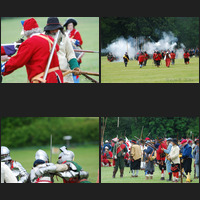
(66, 55)
(67, 169)
(34, 54)
(41, 161)
(16, 167)
(119, 151)
(7, 175)
(135, 157)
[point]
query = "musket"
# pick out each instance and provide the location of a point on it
(66, 72)
(91, 79)
(85, 51)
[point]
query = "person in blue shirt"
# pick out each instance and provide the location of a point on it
(187, 159)
(168, 163)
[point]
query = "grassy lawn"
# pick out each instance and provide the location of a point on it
(106, 176)
(87, 26)
(86, 156)
(115, 72)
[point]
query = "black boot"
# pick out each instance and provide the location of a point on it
(114, 172)
(121, 173)
(170, 176)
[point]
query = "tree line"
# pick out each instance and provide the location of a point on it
(186, 29)
(36, 131)
(152, 127)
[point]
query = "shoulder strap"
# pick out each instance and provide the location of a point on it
(48, 39)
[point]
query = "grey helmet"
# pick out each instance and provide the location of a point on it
(42, 155)
(5, 154)
(65, 155)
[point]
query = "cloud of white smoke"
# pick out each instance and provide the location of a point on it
(132, 45)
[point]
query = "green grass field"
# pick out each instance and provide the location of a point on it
(87, 26)
(106, 176)
(86, 156)
(115, 72)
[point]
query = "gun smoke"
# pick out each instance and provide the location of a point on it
(133, 45)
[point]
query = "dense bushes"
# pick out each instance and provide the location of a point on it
(36, 131)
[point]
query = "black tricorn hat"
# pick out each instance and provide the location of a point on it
(70, 20)
(52, 24)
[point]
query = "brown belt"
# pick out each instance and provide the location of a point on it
(37, 78)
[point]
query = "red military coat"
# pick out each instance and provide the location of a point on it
(160, 153)
(74, 34)
(33, 53)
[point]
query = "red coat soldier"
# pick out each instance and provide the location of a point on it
(34, 53)
(161, 157)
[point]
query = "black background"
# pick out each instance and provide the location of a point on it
(100, 99)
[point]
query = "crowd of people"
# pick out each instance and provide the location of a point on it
(34, 52)
(43, 171)
(168, 56)
(169, 154)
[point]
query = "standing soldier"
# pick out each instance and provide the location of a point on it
(119, 151)
(75, 38)
(168, 163)
(16, 167)
(66, 55)
(187, 159)
(126, 59)
(34, 54)
(41, 161)
(146, 57)
(173, 157)
(157, 58)
(161, 157)
(186, 56)
(173, 56)
(135, 157)
(167, 59)
(141, 59)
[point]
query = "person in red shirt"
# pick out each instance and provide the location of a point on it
(161, 157)
(157, 58)
(141, 59)
(75, 38)
(146, 57)
(186, 56)
(107, 157)
(34, 54)
(173, 56)
(167, 59)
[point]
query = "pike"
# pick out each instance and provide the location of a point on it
(51, 55)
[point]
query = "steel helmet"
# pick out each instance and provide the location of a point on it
(5, 154)
(41, 155)
(65, 155)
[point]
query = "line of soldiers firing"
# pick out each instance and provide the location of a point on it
(43, 171)
(142, 57)
(168, 153)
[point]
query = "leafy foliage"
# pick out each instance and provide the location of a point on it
(36, 131)
(153, 127)
(185, 28)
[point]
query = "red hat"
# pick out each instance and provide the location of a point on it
(183, 141)
(147, 138)
(30, 24)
